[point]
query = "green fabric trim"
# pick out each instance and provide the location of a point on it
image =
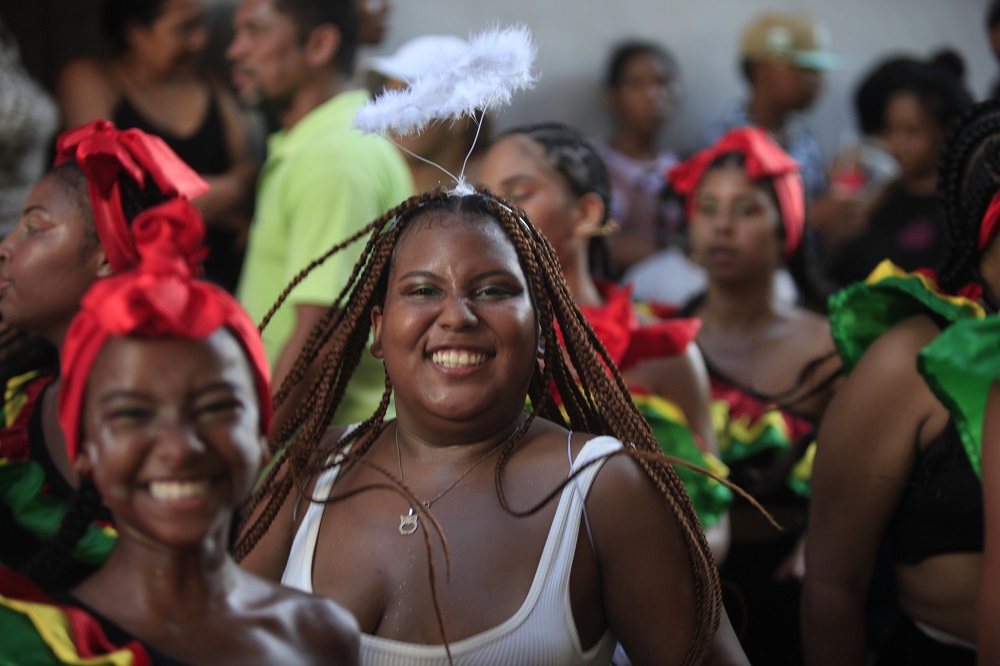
(21, 486)
(861, 312)
(710, 498)
(960, 366)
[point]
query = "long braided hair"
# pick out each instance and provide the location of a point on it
(579, 393)
(968, 178)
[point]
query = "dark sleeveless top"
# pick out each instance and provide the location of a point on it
(206, 152)
(941, 510)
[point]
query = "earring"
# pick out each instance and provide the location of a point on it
(608, 228)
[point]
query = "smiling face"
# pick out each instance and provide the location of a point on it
(269, 58)
(47, 261)
(457, 331)
(171, 436)
(734, 226)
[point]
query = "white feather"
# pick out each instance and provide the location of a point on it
(496, 65)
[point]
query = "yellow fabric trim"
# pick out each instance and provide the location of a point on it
(54, 629)
(741, 429)
(804, 467)
(662, 405)
(887, 269)
(14, 398)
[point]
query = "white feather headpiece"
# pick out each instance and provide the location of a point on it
(496, 64)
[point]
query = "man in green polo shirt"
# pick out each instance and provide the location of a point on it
(322, 180)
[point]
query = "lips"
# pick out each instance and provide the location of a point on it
(458, 358)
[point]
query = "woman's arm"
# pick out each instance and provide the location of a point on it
(867, 444)
(84, 92)
(647, 579)
(988, 613)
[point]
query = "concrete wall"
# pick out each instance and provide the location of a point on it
(574, 37)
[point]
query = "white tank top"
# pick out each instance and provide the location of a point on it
(541, 633)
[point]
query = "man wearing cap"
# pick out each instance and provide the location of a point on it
(783, 60)
(322, 180)
(443, 146)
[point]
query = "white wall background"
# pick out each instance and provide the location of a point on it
(575, 36)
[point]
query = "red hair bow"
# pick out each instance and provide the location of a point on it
(104, 153)
(991, 223)
(764, 159)
(159, 299)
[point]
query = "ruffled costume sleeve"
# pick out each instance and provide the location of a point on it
(862, 312)
(629, 343)
(960, 366)
(24, 489)
(35, 629)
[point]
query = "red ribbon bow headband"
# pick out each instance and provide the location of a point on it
(764, 158)
(160, 298)
(103, 154)
(990, 225)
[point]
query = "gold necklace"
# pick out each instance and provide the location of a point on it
(408, 523)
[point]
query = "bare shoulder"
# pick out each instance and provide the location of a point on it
(319, 629)
(895, 351)
(86, 90)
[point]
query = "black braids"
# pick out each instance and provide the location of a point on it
(967, 182)
(51, 568)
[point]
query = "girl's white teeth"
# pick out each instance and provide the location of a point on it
(458, 359)
(178, 490)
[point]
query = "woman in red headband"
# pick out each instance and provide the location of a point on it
(75, 228)
(771, 366)
(164, 403)
(898, 452)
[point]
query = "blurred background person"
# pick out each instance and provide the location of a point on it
(152, 81)
(28, 121)
(905, 223)
(642, 90)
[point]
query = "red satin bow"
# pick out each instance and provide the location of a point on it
(158, 299)
(104, 153)
(764, 158)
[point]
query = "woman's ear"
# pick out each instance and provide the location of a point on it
(84, 463)
(376, 347)
(589, 217)
(103, 267)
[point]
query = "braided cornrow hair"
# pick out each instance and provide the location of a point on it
(574, 157)
(968, 178)
(595, 400)
(53, 566)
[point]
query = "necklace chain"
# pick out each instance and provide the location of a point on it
(408, 523)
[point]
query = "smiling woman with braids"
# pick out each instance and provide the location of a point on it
(74, 229)
(891, 443)
(554, 173)
(164, 403)
(469, 529)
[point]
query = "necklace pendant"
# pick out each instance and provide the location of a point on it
(408, 523)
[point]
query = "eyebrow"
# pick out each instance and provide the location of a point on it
(33, 208)
(434, 276)
(119, 394)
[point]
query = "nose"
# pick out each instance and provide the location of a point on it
(177, 440)
(235, 47)
(457, 313)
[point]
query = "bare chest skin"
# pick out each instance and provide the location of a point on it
(771, 362)
(363, 562)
